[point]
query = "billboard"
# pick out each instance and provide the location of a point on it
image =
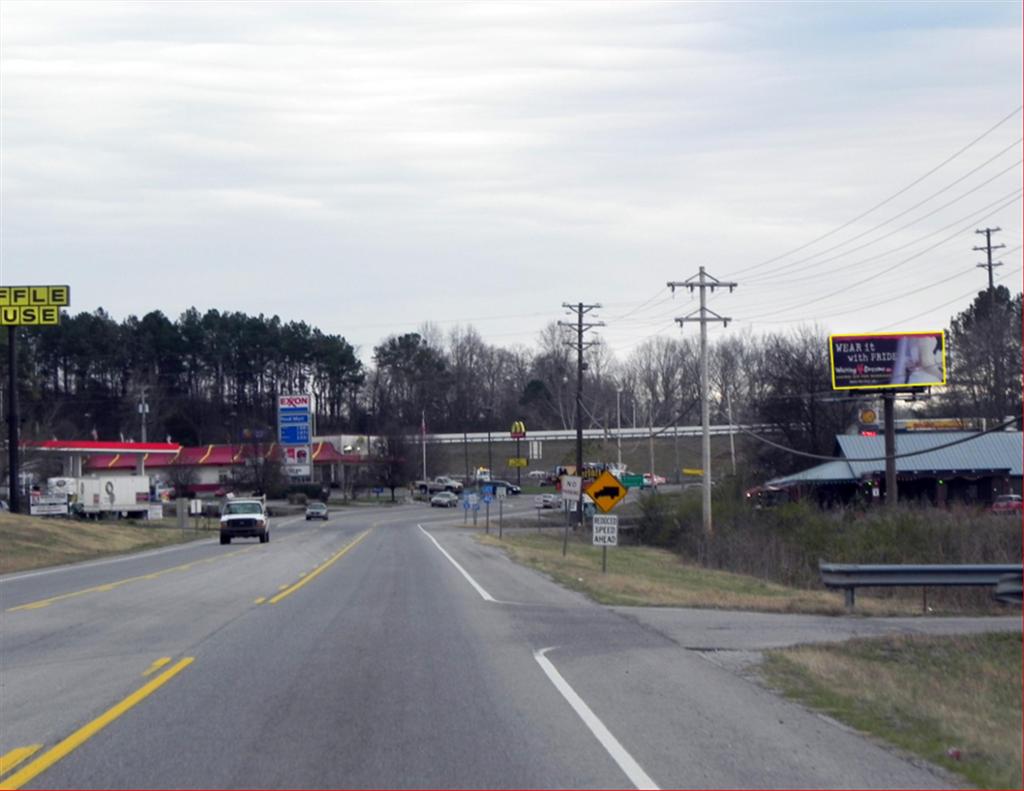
(32, 305)
(888, 360)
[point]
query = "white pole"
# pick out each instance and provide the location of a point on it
(732, 441)
(618, 422)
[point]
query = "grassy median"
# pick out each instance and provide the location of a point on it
(955, 701)
(649, 576)
(30, 542)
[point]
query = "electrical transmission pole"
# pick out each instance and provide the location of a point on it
(580, 346)
(703, 281)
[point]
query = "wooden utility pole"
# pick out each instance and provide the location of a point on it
(703, 281)
(580, 346)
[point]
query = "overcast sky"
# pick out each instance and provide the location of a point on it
(367, 167)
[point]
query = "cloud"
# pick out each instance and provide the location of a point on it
(551, 148)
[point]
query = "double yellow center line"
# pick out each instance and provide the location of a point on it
(319, 569)
(82, 735)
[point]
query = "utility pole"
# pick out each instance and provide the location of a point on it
(993, 342)
(580, 346)
(143, 410)
(703, 281)
(988, 248)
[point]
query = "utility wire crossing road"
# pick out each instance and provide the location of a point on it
(383, 648)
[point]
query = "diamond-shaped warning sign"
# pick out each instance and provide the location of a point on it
(606, 491)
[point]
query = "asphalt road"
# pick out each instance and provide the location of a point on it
(386, 648)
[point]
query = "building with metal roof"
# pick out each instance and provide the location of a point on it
(937, 466)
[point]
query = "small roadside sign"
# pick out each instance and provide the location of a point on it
(500, 492)
(571, 486)
(488, 498)
(606, 530)
(517, 461)
(692, 471)
(632, 481)
(538, 501)
(606, 491)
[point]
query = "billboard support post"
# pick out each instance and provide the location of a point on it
(12, 419)
(889, 410)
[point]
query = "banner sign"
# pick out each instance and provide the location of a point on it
(888, 360)
(297, 461)
(48, 504)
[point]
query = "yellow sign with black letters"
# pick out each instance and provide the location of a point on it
(32, 305)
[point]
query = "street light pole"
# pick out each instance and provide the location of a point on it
(618, 428)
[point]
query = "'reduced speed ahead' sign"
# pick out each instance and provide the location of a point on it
(606, 530)
(32, 305)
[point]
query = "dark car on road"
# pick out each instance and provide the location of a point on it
(510, 488)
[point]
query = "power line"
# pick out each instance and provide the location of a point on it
(888, 200)
(875, 303)
(819, 457)
(965, 295)
(771, 272)
(875, 275)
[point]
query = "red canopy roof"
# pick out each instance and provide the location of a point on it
(212, 455)
(92, 446)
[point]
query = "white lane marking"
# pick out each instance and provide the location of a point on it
(483, 594)
(637, 776)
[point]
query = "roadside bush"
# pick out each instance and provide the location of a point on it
(784, 544)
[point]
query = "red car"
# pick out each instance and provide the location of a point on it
(1008, 504)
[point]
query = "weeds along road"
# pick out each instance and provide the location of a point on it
(382, 648)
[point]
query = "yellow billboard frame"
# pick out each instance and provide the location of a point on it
(862, 335)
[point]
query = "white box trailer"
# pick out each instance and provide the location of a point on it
(102, 495)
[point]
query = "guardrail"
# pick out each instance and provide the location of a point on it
(1005, 579)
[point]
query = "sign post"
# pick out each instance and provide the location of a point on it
(606, 534)
(24, 306)
(518, 432)
(886, 363)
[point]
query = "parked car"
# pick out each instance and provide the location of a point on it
(1008, 504)
(316, 511)
(244, 518)
(537, 475)
(444, 500)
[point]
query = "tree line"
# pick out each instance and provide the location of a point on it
(214, 377)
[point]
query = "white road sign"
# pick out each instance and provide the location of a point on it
(606, 530)
(571, 486)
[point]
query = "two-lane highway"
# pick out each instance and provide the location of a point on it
(382, 648)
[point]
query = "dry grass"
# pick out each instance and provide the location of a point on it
(928, 695)
(28, 542)
(648, 576)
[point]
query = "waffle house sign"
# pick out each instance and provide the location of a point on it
(22, 306)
